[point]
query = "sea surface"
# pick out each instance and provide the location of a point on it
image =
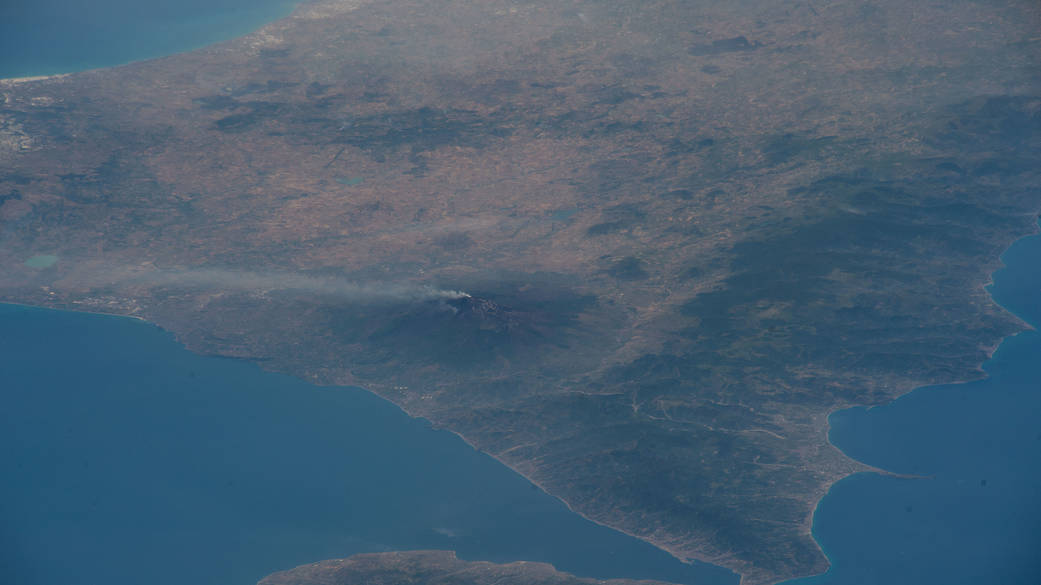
(45, 37)
(974, 518)
(127, 459)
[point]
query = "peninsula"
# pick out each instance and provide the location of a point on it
(638, 252)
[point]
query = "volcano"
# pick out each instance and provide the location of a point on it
(487, 314)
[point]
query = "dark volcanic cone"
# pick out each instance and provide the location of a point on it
(465, 332)
(499, 324)
(488, 314)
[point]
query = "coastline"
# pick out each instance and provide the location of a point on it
(260, 37)
(46, 308)
(992, 352)
(681, 558)
(17, 80)
(685, 558)
(294, 7)
(260, 364)
(260, 367)
(862, 467)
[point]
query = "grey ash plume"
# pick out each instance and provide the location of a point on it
(224, 280)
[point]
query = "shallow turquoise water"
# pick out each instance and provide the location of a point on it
(976, 517)
(129, 460)
(43, 37)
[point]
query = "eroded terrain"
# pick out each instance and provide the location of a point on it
(688, 233)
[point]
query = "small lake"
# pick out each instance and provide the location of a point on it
(44, 37)
(129, 460)
(975, 519)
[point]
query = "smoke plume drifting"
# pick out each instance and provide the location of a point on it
(209, 279)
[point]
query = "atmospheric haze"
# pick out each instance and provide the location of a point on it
(219, 279)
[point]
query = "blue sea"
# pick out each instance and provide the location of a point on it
(129, 460)
(44, 37)
(974, 517)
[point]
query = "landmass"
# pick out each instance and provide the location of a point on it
(638, 252)
(431, 568)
